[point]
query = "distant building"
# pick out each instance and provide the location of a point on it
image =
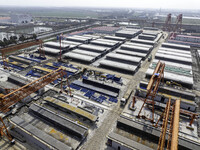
(21, 19)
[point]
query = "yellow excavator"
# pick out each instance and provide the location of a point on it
(171, 83)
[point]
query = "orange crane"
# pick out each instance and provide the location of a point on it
(17, 47)
(17, 95)
(152, 87)
(172, 143)
(4, 131)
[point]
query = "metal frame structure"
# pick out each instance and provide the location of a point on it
(152, 87)
(167, 25)
(182, 111)
(4, 131)
(14, 48)
(172, 143)
(161, 143)
(12, 98)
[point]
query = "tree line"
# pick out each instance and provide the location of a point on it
(14, 40)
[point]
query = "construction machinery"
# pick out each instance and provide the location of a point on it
(152, 87)
(15, 96)
(10, 49)
(4, 131)
(167, 25)
(172, 143)
(178, 26)
(171, 83)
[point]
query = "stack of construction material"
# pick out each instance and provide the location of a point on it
(128, 33)
(178, 61)
(121, 62)
(88, 53)
(134, 49)
(55, 48)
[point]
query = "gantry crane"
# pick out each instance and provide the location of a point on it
(178, 26)
(167, 25)
(17, 95)
(4, 131)
(10, 49)
(152, 87)
(172, 143)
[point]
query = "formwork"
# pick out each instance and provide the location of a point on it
(80, 57)
(176, 46)
(130, 53)
(143, 41)
(125, 143)
(124, 58)
(69, 108)
(36, 136)
(135, 48)
(96, 89)
(118, 66)
(21, 60)
(177, 59)
(101, 84)
(152, 133)
(41, 69)
(17, 80)
(60, 122)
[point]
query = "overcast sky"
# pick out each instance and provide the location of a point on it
(179, 4)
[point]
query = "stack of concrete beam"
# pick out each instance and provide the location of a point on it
(81, 39)
(115, 38)
(146, 37)
(92, 36)
(72, 44)
(176, 46)
(57, 45)
(121, 62)
(51, 51)
(141, 41)
(87, 53)
(132, 49)
(106, 43)
(128, 33)
(178, 62)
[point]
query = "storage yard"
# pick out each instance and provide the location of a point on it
(117, 88)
